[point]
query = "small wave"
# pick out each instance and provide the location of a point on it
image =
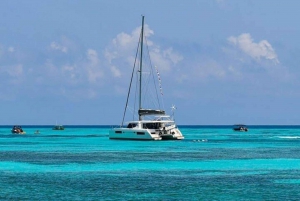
(202, 140)
(289, 137)
(196, 140)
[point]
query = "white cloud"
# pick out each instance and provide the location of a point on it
(51, 69)
(257, 51)
(122, 51)
(3, 50)
(116, 72)
(233, 70)
(210, 68)
(124, 45)
(174, 57)
(93, 68)
(85, 71)
(15, 70)
(70, 71)
(123, 40)
(11, 49)
(15, 73)
(130, 40)
(162, 62)
(56, 46)
(92, 57)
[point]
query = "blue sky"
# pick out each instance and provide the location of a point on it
(220, 61)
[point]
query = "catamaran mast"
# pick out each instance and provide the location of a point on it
(141, 63)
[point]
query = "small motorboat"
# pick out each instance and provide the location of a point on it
(17, 130)
(58, 127)
(240, 128)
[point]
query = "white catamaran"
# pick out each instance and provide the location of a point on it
(160, 127)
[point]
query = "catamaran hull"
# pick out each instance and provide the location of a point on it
(144, 134)
(132, 134)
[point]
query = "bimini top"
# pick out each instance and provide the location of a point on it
(157, 119)
(151, 112)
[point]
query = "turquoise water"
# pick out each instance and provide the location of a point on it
(211, 163)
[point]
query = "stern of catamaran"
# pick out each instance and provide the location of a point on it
(165, 127)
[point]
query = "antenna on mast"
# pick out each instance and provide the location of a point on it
(173, 108)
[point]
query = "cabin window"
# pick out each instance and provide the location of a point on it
(118, 132)
(140, 133)
(131, 125)
(151, 125)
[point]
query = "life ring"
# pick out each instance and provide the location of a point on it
(160, 133)
(173, 133)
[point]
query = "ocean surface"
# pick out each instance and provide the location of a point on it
(211, 163)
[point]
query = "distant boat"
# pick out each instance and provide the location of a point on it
(17, 130)
(58, 127)
(240, 128)
(161, 127)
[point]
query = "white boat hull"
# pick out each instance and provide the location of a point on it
(133, 134)
(173, 134)
(145, 134)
